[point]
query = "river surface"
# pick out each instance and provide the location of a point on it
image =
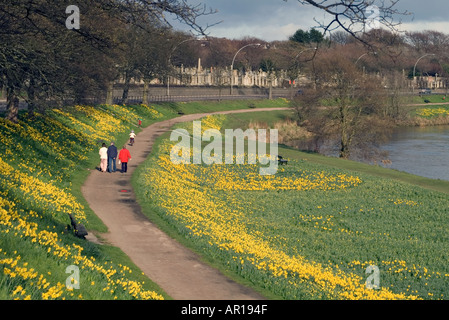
(423, 151)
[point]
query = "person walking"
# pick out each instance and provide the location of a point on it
(132, 136)
(112, 157)
(103, 158)
(124, 156)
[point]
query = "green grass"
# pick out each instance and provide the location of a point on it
(393, 220)
(431, 98)
(211, 106)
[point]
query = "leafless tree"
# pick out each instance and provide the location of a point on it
(357, 17)
(39, 55)
(345, 107)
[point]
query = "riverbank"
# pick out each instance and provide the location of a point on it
(289, 132)
(426, 111)
(289, 233)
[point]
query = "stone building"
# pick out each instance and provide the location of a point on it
(199, 76)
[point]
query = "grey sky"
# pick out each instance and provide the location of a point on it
(277, 20)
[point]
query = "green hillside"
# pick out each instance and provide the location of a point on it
(315, 230)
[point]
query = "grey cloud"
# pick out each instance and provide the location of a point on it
(273, 19)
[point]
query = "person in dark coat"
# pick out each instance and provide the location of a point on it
(112, 157)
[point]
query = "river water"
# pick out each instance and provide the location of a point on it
(423, 151)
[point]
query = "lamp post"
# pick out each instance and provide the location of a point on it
(414, 69)
(358, 59)
(294, 59)
(169, 59)
(232, 64)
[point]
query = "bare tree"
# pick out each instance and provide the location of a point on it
(39, 55)
(345, 108)
(357, 17)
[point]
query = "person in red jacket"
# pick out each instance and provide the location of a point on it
(124, 156)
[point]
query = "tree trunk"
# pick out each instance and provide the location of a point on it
(270, 93)
(145, 92)
(3, 93)
(12, 106)
(31, 92)
(110, 93)
(344, 149)
(126, 88)
(344, 141)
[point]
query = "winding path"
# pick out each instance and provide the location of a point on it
(177, 270)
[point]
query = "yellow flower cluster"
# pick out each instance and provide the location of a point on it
(46, 195)
(212, 122)
(209, 217)
(14, 223)
(208, 122)
(247, 177)
(404, 202)
(106, 123)
(13, 270)
(122, 113)
(95, 134)
(431, 112)
(152, 111)
(199, 197)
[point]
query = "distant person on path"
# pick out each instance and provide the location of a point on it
(132, 135)
(124, 156)
(112, 157)
(103, 158)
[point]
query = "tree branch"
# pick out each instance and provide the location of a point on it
(354, 16)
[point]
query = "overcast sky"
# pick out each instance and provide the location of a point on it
(277, 20)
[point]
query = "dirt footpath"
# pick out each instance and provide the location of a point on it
(177, 270)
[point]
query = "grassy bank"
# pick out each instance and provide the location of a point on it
(312, 230)
(427, 99)
(309, 232)
(43, 164)
(427, 110)
(270, 119)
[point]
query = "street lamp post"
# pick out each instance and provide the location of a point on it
(360, 58)
(294, 59)
(232, 64)
(169, 59)
(414, 69)
(365, 54)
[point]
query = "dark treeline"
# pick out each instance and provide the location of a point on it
(51, 52)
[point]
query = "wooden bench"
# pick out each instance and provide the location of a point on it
(282, 161)
(78, 228)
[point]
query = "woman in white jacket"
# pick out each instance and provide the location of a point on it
(103, 158)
